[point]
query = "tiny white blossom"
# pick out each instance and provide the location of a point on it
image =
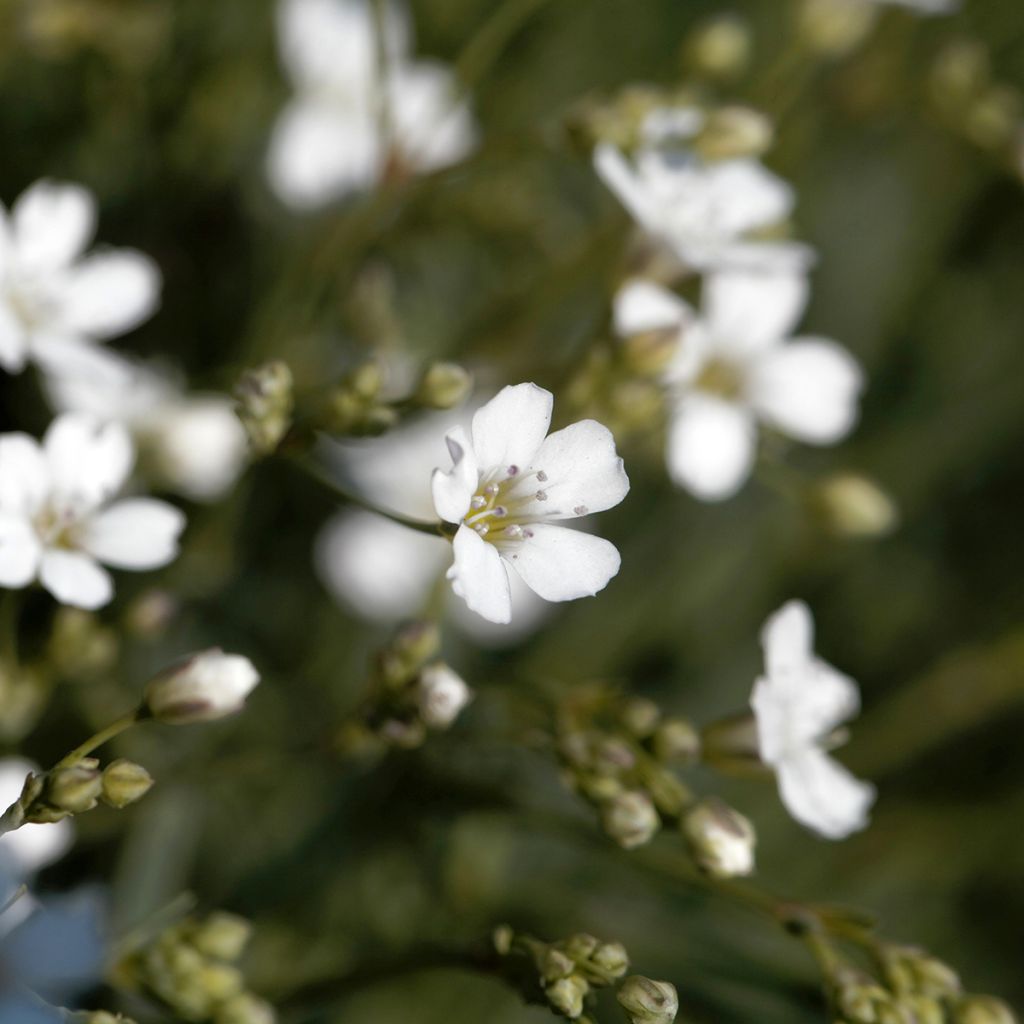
(57, 522)
(509, 483)
(706, 212)
(52, 297)
(329, 140)
(798, 705)
(736, 365)
(441, 695)
(193, 443)
(201, 688)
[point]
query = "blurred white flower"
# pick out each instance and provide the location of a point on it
(193, 443)
(736, 365)
(798, 704)
(56, 520)
(351, 118)
(52, 298)
(506, 488)
(704, 211)
(201, 688)
(385, 572)
(441, 694)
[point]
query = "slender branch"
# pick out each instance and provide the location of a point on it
(98, 739)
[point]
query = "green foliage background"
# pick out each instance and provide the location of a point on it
(507, 263)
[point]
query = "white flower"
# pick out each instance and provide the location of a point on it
(506, 488)
(441, 694)
(56, 520)
(329, 141)
(31, 847)
(193, 443)
(735, 366)
(704, 211)
(798, 704)
(52, 298)
(203, 687)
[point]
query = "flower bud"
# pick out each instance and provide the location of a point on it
(735, 131)
(440, 695)
(648, 1002)
(222, 936)
(245, 1008)
(630, 819)
(443, 386)
(676, 740)
(581, 946)
(76, 788)
(220, 981)
(720, 46)
(566, 995)
(924, 1010)
(611, 959)
(201, 688)
(265, 404)
(982, 1010)
(854, 506)
(503, 937)
(834, 27)
(721, 840)
(640, 716)
(555, 964)
(124, 782)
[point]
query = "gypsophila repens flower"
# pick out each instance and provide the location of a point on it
(509, 484)
(201, 688)
(57, 520)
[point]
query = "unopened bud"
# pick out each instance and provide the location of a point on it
(611, 959)
(443, 386)
(640, 716)
(201, 688)
(983, 1010)
(440, 695)
(124, 782)
(719, 47)
(245, 1008)
(669, 793)
(855, 506)
(648, 1002)
(502, 937)
(221, 981)
(676, 740)
(582, 946)
(566, 995)
(222, 936)
(721, 839)
(735, 131)
(630, 819)
(76, 788)
(924, 1010)
(555, 964)
(265, 404)
(834, 27)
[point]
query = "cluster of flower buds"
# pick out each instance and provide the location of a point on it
(266, 403)
(563, 975)
(192, 968)
(412, 691)
(915, 988)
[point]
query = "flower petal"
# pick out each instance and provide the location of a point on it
(479, 576)
(140, 533)
(711, 447)
(89, 461)
(748, 311)
(808, 389)
(642, 306)
(110, 293)
(24, 475)
(432, 127)
(787, 639)
(743, 195)
(560, 564)
(51, 224)
(20, 552)
(13, 340)
(821, 794)
(453, 491)
(621, 177)
(74, 578)
(509, 429)
(320, 152)
(582, 473)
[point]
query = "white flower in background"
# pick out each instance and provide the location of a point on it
(508, 484)
(798, 704)
(192, 443)
(441, 694)
(735, 366)
(57, 522)
(352, 119)
(52, 298)
(385, 572)
(201, 688)
(704, 211)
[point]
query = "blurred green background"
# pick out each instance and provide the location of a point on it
(507, 263)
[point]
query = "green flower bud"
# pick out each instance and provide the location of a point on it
(982, 1010)
(719, 47)
(76, 788)
(669, 793)
(648, 1002)
(676, 740)
(854, 506)
(566, 995)
(734, 131)
(365, 381)
(834, 27)
(612, 756)
(443, 386)
(611, 960)
(581, 946)
(630, 819)
(721, 839)
(222, 936)
(640, 716)
(554, 964)
(221, 981)
(124, 782)
(266, 401)
(924, 1010)
(502, 937)
(245, 1008)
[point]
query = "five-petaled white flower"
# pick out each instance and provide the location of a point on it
(736, 365)
(798, 704)
(706, 212)
(56, 520)
(353, 116)
(193, 443)
(507, 487)
(51, 297)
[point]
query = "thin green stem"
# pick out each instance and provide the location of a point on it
(103, 736)
(486, 46)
